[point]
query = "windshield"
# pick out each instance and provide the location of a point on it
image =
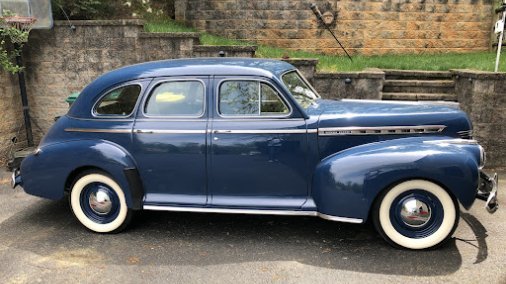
(301, 91)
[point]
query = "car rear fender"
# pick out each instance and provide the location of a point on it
(346, 184)
(45, 173)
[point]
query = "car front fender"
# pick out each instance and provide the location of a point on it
(346, 184)
(45, 172)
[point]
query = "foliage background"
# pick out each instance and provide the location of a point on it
(112, 9)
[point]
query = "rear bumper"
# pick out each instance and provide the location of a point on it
(16, 178)
(487, 191)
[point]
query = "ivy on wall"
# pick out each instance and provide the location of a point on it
(12, 40)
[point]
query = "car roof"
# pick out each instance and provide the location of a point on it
(177, 67)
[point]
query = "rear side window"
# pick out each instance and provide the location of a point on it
(119, 102)
(250, 98)
(178, 98)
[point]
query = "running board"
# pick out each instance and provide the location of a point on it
(253, 211)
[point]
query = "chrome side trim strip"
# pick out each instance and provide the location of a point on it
(169, 131)
(456, 141)
(253, 211)
(381, 130)
(266, 131)
(98, 130)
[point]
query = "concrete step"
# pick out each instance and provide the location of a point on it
(391, 74)
(419, 86)
(419, 96)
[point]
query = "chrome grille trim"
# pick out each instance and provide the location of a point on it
(382, 130)
(465, 134)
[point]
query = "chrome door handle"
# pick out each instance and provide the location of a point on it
(140, 131)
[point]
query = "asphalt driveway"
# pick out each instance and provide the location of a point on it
(40, 241)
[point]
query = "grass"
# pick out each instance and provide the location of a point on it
(484, 61)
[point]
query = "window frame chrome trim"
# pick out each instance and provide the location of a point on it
(348, 131)
(131, 115)
(155, 84)
(239, 117)
(253, 211)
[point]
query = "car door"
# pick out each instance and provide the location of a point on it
(169, 139)
(258, 147)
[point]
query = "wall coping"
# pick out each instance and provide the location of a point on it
(300, 61)
(125, 22)
(476, 74)
(169, 35)
(371, 73)
(218, 48)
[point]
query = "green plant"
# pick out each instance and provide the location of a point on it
(12, 40)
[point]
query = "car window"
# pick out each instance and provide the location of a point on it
(119, 102)
(181, 98)
(300, 90)
(250, 98)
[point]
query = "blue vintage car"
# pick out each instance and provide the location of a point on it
(251, 136)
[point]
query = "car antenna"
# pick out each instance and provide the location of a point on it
(72, 27)
(319, 15)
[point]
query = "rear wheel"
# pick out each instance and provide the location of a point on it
(99, 203)
(416, 214)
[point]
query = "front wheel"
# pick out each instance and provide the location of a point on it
(416, 214)
(98, 202)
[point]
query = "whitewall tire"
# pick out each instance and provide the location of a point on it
(416, 214)
(99, 203)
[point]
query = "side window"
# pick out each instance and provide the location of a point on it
(119, 102)
(178, 98)
(250, 98)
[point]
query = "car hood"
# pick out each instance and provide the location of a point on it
(356, 113)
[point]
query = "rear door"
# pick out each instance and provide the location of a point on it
(169, 139)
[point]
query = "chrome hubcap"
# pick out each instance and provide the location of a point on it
(415, 213)
(100, 202)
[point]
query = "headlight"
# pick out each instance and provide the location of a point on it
(483, 157)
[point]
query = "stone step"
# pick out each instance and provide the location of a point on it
(419, 96)
(419, 86)
(391, 74)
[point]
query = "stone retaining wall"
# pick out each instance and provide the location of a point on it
(483, 96)
(364, 26)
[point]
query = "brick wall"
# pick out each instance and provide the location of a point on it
(364, 26)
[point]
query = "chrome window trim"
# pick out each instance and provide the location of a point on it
(98, 130)
(253, 211)
(239, 117)
(106, 116)
(129, 119)
(381, 130)
(303, 79)
(158, 83)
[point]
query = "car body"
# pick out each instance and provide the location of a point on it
(252, 136)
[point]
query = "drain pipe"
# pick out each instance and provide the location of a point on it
(24, 100)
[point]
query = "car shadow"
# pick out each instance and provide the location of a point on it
(166, 238)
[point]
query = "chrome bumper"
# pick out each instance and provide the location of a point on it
(16, 178)
(487, 191)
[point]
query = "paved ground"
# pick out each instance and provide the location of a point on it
(40, 241)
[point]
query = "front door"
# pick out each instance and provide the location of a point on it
(258, 147)
(170, 141)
